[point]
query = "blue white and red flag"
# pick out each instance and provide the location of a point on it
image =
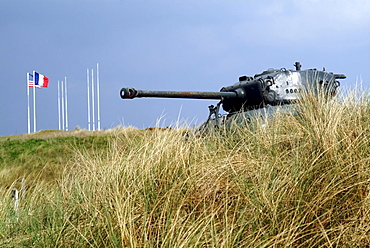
(40, 80)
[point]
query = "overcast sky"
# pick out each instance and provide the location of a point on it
(166, 45)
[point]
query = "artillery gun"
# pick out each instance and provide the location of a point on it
(261, 94)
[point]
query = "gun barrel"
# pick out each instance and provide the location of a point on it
(339, 76)
(129, 93)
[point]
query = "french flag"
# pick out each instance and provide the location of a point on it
(40, 80)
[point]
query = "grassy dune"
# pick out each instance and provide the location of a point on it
(299, 181)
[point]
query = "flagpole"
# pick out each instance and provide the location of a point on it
(88, 98)
(92, 98)
(58, 105)
(65, 84)
(98, 93)
(28, 104)
(62, 84)
(34, 102)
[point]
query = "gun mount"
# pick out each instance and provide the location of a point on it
(273, 87)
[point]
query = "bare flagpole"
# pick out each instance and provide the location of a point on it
(98, 93)
(58, 105)
(65, 84)
(34, 102)
(62, 84)
(92, 98)
(28, 105)
(88, 98)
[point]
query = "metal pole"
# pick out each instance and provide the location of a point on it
(28, 105)
(34, 103)
(88, 99)
(65, 84)
(98, 93)
(62, 84)
(92, 99)
(58, 105)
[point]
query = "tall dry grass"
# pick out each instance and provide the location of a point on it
(302, 180)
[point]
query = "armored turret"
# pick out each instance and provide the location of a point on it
(273, 87)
